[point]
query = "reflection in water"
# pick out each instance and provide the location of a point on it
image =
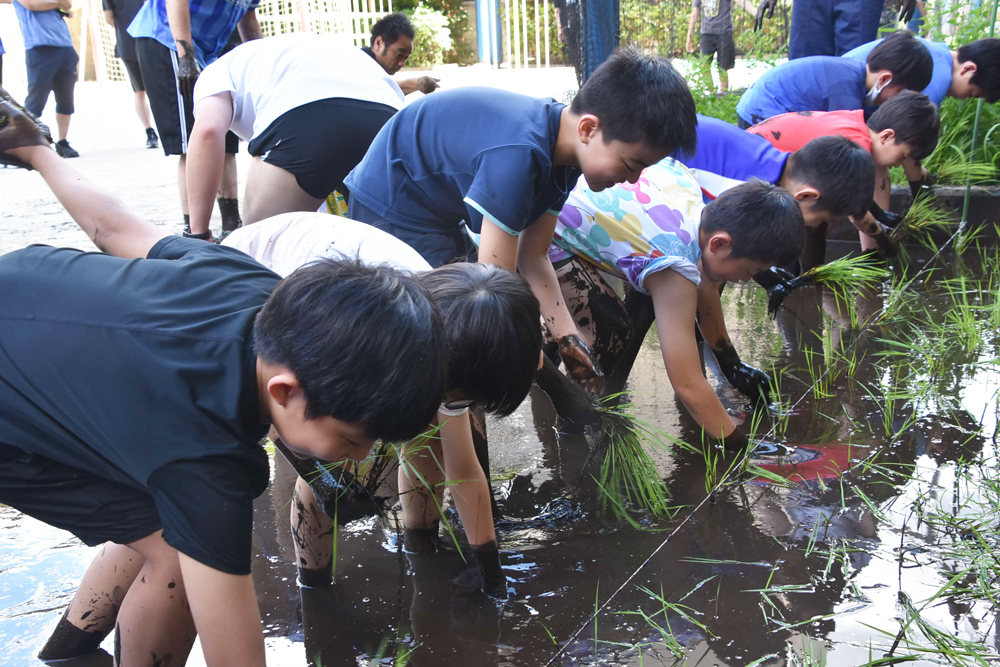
(761, 569)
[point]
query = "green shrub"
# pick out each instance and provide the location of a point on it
(432, 40)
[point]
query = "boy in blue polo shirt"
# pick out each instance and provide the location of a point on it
(828, 83)
(51, 60)
(972, 70)
(502, 164)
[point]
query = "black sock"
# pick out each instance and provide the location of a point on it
(68, 641)
(229, 208)
(187, 222)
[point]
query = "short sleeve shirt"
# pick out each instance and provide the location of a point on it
(268, 77)
(727, 156)
(634, 231)
(124, 12)
(716, 16)
(816, 83)
(943, 66)
(212, 24)
(141, 372)
(46, 28)
(462, 155)
(791, 131)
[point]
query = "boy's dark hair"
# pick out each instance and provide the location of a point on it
(841, 170)
(367, 344)
(763, 220)
(906, 57)
(640, 97)
(494, 332)
(986, 54)
(913, 118)
(390, 27)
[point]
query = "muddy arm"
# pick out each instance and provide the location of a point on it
(571, 401)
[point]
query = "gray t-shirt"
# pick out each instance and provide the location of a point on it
(716, 16)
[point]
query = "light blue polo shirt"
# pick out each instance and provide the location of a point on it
(816, 83)
(46, 28)
(943, 66)
(212, 23)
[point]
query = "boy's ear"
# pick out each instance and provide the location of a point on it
(719, 241)
(887, 135)
(806, 193)
(282, 387)
(968, 68)
(588, 127)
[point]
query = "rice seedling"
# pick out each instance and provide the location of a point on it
(663, 627)
(820, 377)
(924, 217)
(628, 479)
(846, 276)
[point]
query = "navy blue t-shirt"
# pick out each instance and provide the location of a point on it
(816, 83)
(141, 372)
(462, 154)
(727, 151)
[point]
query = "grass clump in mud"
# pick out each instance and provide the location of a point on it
(629, 480)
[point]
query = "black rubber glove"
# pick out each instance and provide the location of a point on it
(765, 10)
(338, 492)
(188, 69)
(782, 283)
(917, 188)
(888, 246)
(736, 441)
(580, 363)
(19, 128)
(886, 218)
(906, 10)
(752, 382)
(487, 559)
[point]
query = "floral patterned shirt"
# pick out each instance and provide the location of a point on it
(636, 230)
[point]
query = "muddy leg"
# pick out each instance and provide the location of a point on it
(155, 625)
(91, 615)
(479, 440)
(598, 312)
(422, 466)
(640, 314)
(312, 535)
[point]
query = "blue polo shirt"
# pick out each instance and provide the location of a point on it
(212, 23)
(727, 156)
(466, 154)
(46, 28)
(943, 66)
(816, 83)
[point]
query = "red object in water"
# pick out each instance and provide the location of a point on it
(805, 463)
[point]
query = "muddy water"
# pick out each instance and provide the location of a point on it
(829, 561)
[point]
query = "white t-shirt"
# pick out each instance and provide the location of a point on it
(268, 77)
(291, 240)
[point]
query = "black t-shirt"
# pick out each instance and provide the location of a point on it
(141, 372)
(124, 11)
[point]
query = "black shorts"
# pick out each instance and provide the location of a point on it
(173, 113)
(134, 74)
(51, 69)
(94, 509)
(321, 142)
(723, 45)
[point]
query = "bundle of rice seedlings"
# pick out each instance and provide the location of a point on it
(629, 479)
(923, 217)
(848, 275)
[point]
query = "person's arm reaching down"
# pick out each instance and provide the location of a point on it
(224, 608)
(188, 69)
(752, 382)
(206, 157)
(533, 263)
(692, 23)
(675, 300)
(249, 27)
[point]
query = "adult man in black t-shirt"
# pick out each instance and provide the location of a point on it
(134, 390)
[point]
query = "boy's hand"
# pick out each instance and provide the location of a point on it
(750, 381)
(906, 10)
(886, 218)
(765, 10)
(779, 284)
(690, 46)
(188, 69)
(580, 363)
(18, 129)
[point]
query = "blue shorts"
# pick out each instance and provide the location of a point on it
(51, 69)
